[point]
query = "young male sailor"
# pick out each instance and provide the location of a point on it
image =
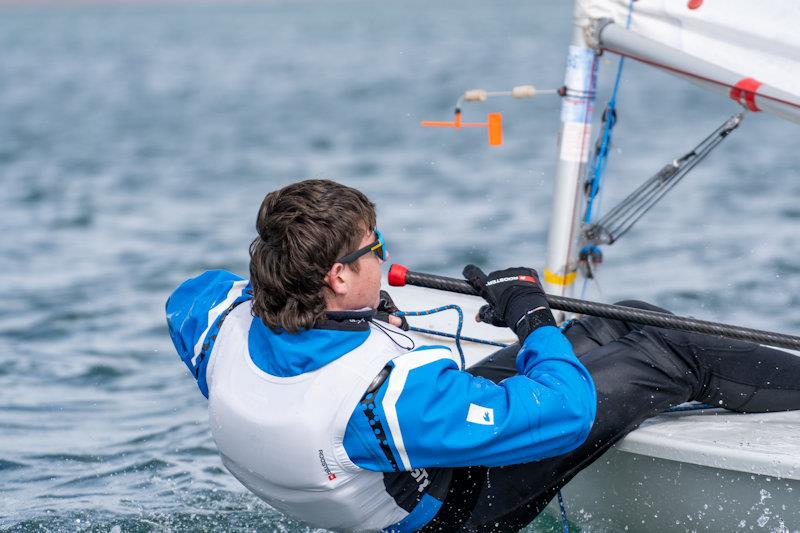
(323, 409)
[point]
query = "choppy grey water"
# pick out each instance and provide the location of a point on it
(137, 141)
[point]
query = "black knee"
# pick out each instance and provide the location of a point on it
(638, 304)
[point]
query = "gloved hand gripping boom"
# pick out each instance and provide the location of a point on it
(515, 299)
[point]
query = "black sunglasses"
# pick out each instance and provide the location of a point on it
(378, 246)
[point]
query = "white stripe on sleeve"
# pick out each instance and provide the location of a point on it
(234, 292)
(397, 380)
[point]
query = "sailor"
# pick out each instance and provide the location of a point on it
(324, 408)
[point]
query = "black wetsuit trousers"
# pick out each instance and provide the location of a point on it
(638, 371)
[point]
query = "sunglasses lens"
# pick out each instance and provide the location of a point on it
(381, 250)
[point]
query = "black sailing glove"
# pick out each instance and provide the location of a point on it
(516, 299)
(386, 307)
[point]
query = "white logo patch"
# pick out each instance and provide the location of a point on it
(479, 414)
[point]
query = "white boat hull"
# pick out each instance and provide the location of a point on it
(695, 471)
(625, 491)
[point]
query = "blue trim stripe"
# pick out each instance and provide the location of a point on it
(422, 513)
(431, 347)
(292, 354)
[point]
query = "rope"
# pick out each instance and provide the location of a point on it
(592, 255)
(563, 510)
(457, 336)
(609, 121)
(463, 337)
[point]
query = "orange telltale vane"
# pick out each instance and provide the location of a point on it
(494, 125)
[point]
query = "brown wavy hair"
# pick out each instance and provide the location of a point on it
(302, 230)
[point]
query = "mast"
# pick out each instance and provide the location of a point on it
(560, 270)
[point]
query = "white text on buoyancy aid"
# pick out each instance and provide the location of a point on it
(421, 476)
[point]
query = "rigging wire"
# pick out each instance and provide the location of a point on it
(620, 219)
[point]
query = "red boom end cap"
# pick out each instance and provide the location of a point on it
(397, 275)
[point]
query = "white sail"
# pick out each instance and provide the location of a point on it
(749, 50)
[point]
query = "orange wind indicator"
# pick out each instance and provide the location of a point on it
(494, 124)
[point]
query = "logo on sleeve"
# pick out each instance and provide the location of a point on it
(479, 414)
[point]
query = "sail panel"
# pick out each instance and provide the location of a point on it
(757, 40)
(749, 92)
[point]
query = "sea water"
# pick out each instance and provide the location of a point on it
(138, 139)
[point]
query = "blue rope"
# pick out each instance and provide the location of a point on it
(601, 158)
(561, 506)
(463, 337)
(457, 336)
(564, 519)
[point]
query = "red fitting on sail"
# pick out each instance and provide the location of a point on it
(746, 87)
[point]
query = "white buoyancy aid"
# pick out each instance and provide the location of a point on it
(282, 437)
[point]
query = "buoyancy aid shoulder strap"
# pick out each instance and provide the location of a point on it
(208, 345)
(378, 381)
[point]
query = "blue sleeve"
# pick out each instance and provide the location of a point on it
(431, 414)
(193, 316)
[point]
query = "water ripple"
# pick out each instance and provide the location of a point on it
(137, 142)
(10, 465)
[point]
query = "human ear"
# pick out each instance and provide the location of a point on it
(335, 279)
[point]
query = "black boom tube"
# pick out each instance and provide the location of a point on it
(399, 276)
